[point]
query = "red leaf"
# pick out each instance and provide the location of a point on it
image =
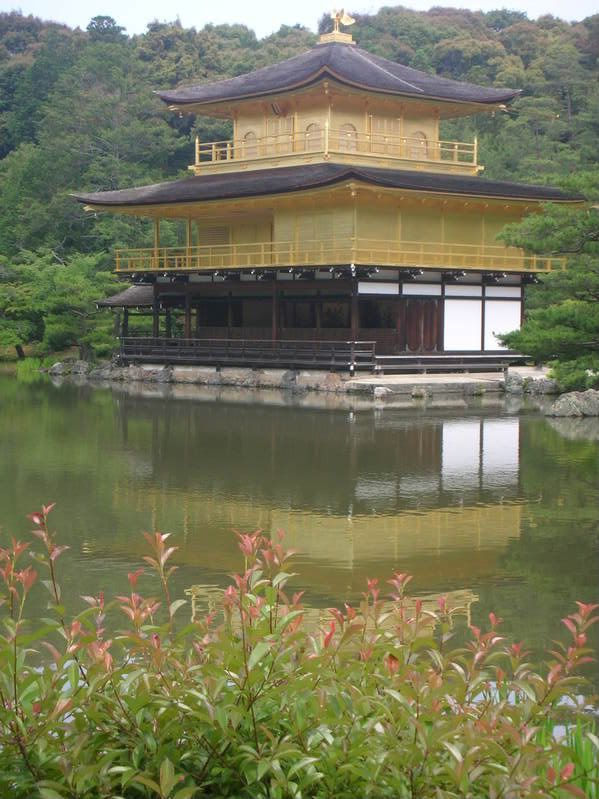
(329, 636)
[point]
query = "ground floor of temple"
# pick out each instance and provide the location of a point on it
(282, 316)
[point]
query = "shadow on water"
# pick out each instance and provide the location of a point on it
(505, 508)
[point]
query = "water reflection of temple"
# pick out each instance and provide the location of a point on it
(357, 495)
(208, 599)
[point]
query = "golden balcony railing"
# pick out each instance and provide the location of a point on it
(323, 253)
(328, 142)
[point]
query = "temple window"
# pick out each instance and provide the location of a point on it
(250, 145)
(417, 145)
(348, 138)
(313, 136)
(214, 235)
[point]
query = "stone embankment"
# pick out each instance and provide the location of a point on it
(383, 388)
(576, 403)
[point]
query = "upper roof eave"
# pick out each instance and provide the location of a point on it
(201, 106)
(346, 64)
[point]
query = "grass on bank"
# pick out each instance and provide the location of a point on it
(254, 700)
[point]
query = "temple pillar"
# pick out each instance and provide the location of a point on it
(156, 258)
(125, 323)
(155, 315)
(187, 323)
(318, 316)
(275, 312)
(229, 315)
(189, 236)
(354, 320)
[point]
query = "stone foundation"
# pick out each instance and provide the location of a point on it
(381, 389)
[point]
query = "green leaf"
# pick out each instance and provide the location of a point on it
(454, 751)
(186, 793)
(282, 577)
(526, 689)
(174, 606)
(262, 768)
(168, 779)
(50, 793)
(148, 782)
(258, 653)
(288, 618)
(593, 738)
(301, 764)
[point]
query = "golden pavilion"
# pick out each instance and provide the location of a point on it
(335, 229)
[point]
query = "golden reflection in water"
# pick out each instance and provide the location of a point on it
(438, 500)
(207, 599)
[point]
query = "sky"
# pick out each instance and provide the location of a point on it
(264, 16)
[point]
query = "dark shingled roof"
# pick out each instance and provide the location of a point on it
(283, 180)
(344, 63)
(131, 297)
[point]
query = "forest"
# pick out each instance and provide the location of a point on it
(78, 113)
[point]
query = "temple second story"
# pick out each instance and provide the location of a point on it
(341, 104)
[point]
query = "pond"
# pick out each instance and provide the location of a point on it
(500, 512)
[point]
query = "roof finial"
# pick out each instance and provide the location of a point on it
(339, 17)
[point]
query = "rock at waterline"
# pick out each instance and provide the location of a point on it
(576, 403)
(58, 368)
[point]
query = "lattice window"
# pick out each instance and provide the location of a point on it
(314, 137)
(417, 145)
(348, 138)
(214, 235)
(250, 145)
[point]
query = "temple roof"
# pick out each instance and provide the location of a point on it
(132, 297)
(344, 63)
(284, 180)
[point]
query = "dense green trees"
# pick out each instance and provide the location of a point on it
(77, 112)
(563, 317)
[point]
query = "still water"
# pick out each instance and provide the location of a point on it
(499, 512)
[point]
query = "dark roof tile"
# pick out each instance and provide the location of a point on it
(283, 180)
(132, 297)
(346, 64)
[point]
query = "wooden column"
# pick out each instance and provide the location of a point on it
(229, 315)
(155, 317)
(355, 323)
(318, 315)
(125, 323)
(187, 324)
(156, 258)
(275, 311)
(189, 236)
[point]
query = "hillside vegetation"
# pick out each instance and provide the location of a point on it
(77, 112)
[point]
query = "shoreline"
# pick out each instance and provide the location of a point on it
(520, 392)
(518, 381)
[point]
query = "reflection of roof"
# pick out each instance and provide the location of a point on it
(343, 63)
(281, 180)
(131, 297)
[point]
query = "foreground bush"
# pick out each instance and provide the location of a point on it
(255, 701)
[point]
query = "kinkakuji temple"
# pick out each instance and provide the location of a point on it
(335, 229)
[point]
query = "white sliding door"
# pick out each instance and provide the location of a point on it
(462, 325)
(501, 316)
